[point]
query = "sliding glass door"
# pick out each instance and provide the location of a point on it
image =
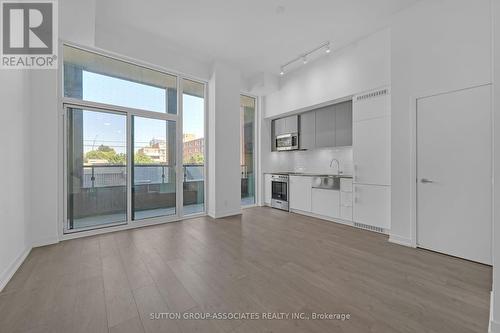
(153, 172)
(247, 149)
(96, 168)
(128, 128)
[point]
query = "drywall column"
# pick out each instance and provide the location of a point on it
(495, 311)
(14, 197)
(224, 185)
(77, 25)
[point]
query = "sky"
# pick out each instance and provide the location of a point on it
(110, 129)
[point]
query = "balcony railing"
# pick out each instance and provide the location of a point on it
(101, 189)
(108, 175)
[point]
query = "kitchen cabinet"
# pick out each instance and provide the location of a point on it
(371, 151)
(286, 125)
(300, 193)
(372, 205)
(267, 189)
(325, 127)
(372, 107)
(292, 124)
(334, 125)
(325, 202)
(343, 124)
(346, 199)
(279, 126)
(307, 131)
(372, 158)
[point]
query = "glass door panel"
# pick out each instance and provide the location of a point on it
(153, 171)
(193, 143)
(97, 168)
(247, 158)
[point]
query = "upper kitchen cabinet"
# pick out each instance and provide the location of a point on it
(343, 124)
(325, 127)
(334, 125)
(307, 131)
(286, 125)
(279, 126)
(371, 105)
(372, 138)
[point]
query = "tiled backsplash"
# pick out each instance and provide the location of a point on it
(311, 161)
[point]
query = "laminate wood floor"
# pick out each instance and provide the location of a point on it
(263, 261)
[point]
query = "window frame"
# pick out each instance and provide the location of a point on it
(69, 102)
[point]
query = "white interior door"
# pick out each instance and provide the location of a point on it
(454, 188)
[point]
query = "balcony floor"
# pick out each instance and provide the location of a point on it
(103, 220)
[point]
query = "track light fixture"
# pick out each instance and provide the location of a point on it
(304, 57)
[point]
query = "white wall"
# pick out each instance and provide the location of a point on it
(45, 154)
(77, 25)
(361, 66)
(224, 142)
(495, 319)
(77, 21)
(15, 171)
(150, 49)
(437, 46)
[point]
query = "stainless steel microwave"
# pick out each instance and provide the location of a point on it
(287, 142)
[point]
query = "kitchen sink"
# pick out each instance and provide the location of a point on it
(326, 182)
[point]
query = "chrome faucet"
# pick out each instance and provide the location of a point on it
(338, 165)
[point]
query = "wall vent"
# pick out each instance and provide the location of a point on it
(369, 227)
(373, 94)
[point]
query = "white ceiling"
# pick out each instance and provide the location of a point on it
(255, 35)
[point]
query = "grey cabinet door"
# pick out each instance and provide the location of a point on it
(307, 133)
(325, 127)
(291, 124)
(343, 124)
(279, 126)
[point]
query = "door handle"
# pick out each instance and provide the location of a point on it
(426, 181)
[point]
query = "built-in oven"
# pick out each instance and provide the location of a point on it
(279, 191)
(287, 142)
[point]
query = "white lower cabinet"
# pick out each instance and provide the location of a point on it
(346, 199)
(267, 189)
(300, 193)
(325, 202)
(372, 205)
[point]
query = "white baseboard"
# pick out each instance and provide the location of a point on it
(396, 239)
(220, 215)
(45, 241)
(13, 267)
(494, 327)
